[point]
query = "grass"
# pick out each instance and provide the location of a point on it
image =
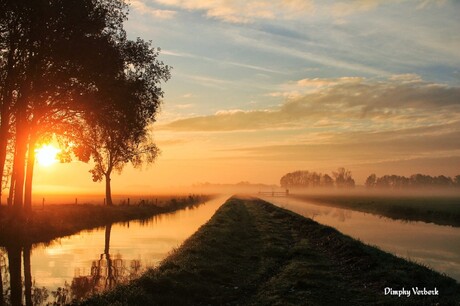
(254, 253)
(433, 209)
(54, 221)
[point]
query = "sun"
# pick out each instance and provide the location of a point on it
(46, 155)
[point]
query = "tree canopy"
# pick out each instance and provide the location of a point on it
(68, 65)
(414, 181)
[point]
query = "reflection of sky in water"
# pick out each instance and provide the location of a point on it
(433, 245)
(149, 242)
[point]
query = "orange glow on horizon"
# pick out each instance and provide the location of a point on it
(46, 155)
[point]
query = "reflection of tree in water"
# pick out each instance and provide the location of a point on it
(342, 215)
(106, 273)
(2, 277)
(12, 283)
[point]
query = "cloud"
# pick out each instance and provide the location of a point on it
(428, 3)
(248, 11)
(219, 61)
(350, 7)
(404, 144)
(184, 106)
(144, 9)
(321, 82)
(241, 11)
(344, 102)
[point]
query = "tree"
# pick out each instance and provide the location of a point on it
(117, 133)
(46, 77)
(457, 180)
(327, 181)
(305, 179)
(343, 178)
(371, 181)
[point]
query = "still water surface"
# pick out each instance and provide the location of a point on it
(435, 246)
(97, 260)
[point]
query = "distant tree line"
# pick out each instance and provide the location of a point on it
(414, 181)
(342, 178)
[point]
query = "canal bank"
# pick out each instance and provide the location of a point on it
(43, 225)
(254, 253)
(432, 245)
(95, 260)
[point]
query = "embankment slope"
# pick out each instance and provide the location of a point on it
(254, 253)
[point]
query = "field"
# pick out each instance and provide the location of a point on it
(442, 210)
(254, 253)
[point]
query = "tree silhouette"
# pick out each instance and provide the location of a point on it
(371, 181)
(457, 180)
(14, 267)
(49, 87)
(304, 179)
(118, 132)
(414, 181)
(48, 75)
(343, 178)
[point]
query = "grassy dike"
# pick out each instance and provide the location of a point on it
(44, 225)
(254, 253)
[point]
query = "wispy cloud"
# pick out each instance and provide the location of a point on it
(402, 100)
(221, 61)
(241, 11)
(403, 144)
(144, 9)
(323, 82)
(248, 11)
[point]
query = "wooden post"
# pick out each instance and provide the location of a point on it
(76, 201)
(43, 203)
(128, 201)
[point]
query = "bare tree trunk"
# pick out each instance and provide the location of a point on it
(6, 104)
(12, 185)
(29, 176)
(3, 145)
(108, 191)
(19, 164)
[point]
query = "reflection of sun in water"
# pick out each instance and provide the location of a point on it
(46, 155)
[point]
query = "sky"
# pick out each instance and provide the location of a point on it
(262, 88)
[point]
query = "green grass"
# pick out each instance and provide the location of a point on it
(254, 253)
(434, 209)
(54, 221)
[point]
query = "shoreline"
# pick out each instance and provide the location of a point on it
(437, 210)
(56, 221)
(252, 252)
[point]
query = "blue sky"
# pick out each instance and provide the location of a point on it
(256, 81)
(262, 88)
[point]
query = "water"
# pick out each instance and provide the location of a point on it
(435, 246)
(97, 260)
